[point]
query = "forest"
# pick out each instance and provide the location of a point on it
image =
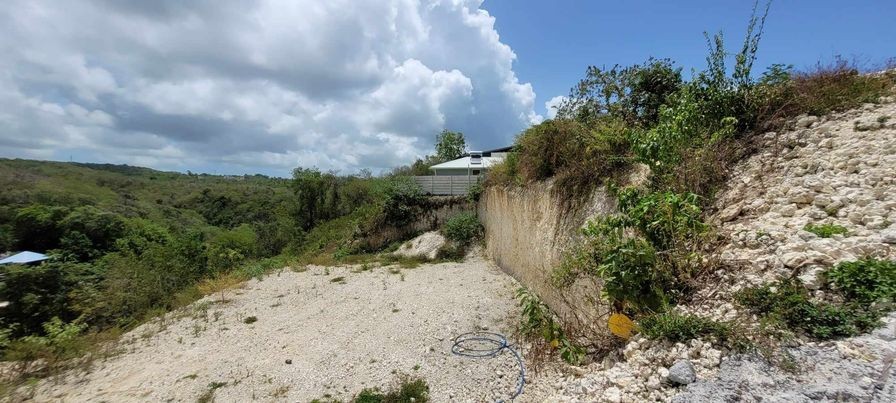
(129, 243)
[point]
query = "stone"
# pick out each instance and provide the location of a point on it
(888, 236)
(730, 213)
(793, 259)
(612, 394)
(806, 121)
(426, 245)
(813, 278)
(787, 210)
(682, 372)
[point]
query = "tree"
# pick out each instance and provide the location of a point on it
(450, 145)
(633, 94)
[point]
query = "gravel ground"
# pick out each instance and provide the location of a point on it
(340, 336)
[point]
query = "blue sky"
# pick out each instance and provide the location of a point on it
(233, 86)
(555, 40)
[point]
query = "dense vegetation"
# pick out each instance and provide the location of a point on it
(129, 243)
(866, 289)
(689, 133)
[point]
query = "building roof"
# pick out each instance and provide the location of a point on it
(24, 257)
(464, 163)
(499, 150)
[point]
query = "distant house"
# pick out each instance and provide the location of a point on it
(473, 163)
(25, 257)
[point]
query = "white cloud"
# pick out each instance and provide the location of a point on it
(245, 86)
(552, 104)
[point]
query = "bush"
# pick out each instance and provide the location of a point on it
(37, 294)
(633, 94)
(826, 230)
(578, 157)
(789, 304)
(865, 281)
(61, 341)
(836, 87)
(504, 173)
(474, 192)
(403, 198)
(462, 228)
(675, 327)
(537, 322)
(645, 255)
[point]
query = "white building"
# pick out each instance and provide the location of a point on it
(473, 163)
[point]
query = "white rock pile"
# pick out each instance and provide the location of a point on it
(426, 245)
(647, 371)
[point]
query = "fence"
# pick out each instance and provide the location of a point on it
(446, 185)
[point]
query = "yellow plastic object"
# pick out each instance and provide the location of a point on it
(621, 325)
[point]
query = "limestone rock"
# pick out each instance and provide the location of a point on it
(682, 372)
(426, 245)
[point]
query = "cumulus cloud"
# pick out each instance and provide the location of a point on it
(236, 86)
(552, 105)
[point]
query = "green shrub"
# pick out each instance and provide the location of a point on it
(537, 322)
(452, 251)
(633, 94)
(789, 303)
(61, 341)
(505, 172)
(836, 87)
(462, 228)
(37, 294)
(474, 192)
(677, 327)
(865, 281)
(826, 230)
(645, 255)
(577, 156)
(403, 198)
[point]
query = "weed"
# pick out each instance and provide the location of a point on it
(677, 327)
(826, 230)
(537, 322)
(209, 395)
(865, 281)
(280, 392)
(789, 304)
(250, 320)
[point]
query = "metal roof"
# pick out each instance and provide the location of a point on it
(464, 162)
(24, 257)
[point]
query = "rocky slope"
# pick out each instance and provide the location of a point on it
(839, 169)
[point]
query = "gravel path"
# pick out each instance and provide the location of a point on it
(340, 336)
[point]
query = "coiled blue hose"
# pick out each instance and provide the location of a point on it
(471, 345)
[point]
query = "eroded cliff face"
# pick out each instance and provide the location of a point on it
(527, 231)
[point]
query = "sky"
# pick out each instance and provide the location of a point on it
(234, 87)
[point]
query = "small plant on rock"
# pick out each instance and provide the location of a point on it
(826, 230)
(676, 327)
(865, 281)
(789, 304)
